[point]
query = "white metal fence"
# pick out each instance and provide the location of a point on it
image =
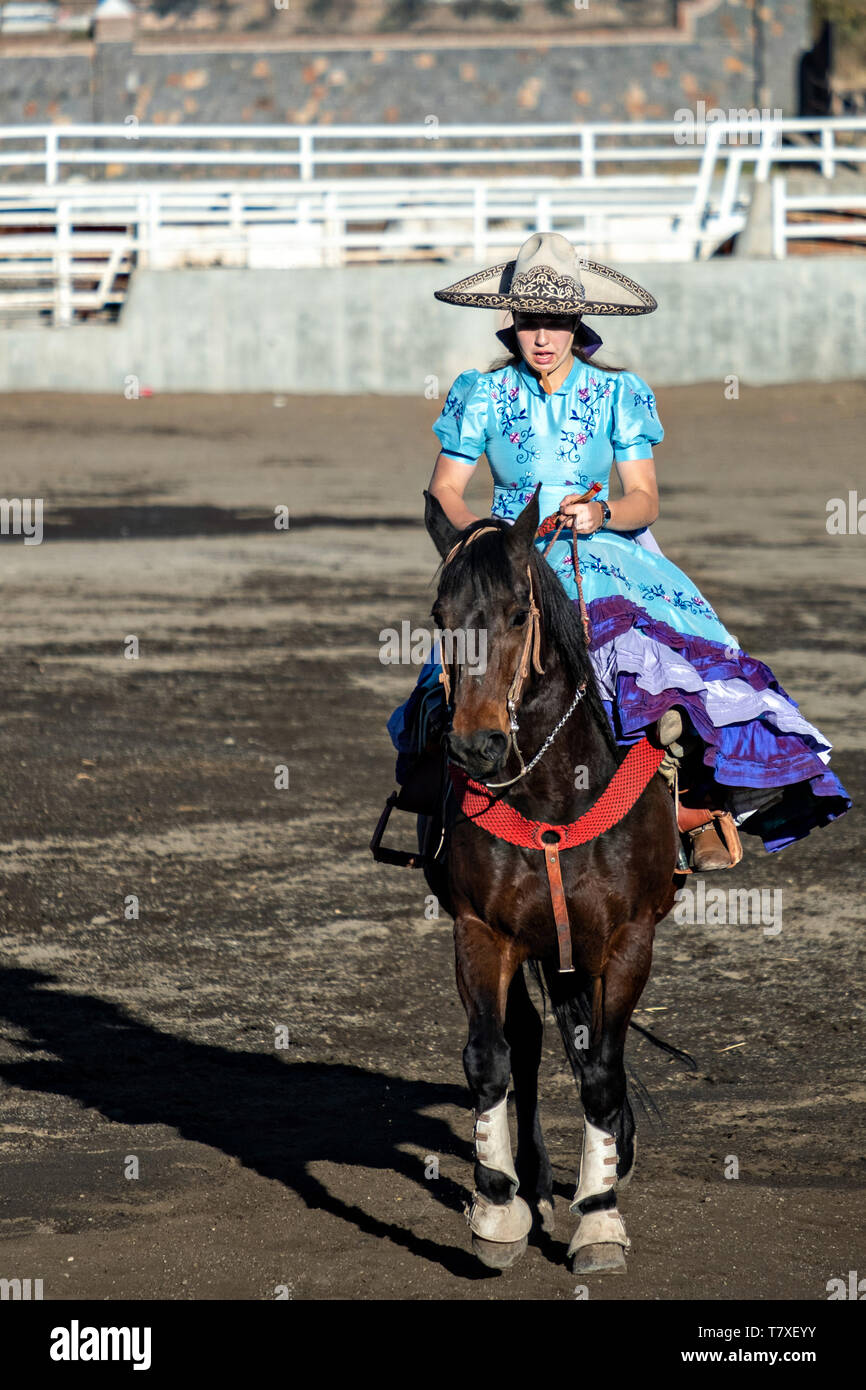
(838, 210)
(54, 153)
(656, 190)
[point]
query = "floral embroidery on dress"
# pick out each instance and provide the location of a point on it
(508, 502)
(509, 419)
(569, 443)
(648, 402)
(691, 603)
(586, 414)
(594, 564)
(597, 566)
(455, 406)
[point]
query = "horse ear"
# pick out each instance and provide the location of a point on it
(443, 533)
(520, 536)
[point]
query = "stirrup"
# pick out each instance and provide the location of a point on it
(434, 832)
(693, 822)
(383, 854)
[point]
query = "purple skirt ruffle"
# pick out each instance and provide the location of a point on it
(755, 737)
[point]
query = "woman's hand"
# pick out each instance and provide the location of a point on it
(582, 517)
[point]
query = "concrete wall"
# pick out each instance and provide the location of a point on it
(378, 329)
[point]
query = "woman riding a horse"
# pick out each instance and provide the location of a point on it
(602, 664)
(552, 421)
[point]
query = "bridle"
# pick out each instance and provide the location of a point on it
(530, 656)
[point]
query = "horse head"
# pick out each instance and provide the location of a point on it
(488, 614)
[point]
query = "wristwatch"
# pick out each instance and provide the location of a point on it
(606, 510)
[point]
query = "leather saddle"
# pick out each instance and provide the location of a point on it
(421, 774)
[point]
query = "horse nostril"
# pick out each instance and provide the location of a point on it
(487, 746)
(493, 746)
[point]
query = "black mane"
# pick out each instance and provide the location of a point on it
(484, 563)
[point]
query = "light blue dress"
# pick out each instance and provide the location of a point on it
(566, 442)
(655, 640)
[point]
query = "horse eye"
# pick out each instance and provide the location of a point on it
(519, 618)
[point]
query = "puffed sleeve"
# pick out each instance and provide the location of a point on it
(462, 424)
(636, 425)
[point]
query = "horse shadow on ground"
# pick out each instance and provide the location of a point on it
(276, 1117)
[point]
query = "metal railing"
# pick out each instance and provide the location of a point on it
(342, 220)
(689, 197)
(313, 152)
(66, 277)
(807, 226)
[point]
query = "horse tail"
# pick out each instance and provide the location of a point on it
(667, 1047)
(573, 1009)
(583, 1008)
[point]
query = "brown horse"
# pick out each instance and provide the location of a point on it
(616, 887)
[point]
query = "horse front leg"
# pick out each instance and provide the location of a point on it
(600, 1242)
(500, 1221)
(525, 1035)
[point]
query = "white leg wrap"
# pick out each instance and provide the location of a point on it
(600, 1228)
(512, 1220)
(624, 1182)
(493, 1141)
(505, 1223)
(597, 1164)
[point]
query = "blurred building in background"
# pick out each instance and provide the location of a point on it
(345, 61)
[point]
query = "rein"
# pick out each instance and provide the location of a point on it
(550, 524)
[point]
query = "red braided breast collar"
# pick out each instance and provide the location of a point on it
(621, 793)
(500, 819)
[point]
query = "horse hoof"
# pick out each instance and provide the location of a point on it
(498, 1254)
(546, 1218)
(503, 1224)
(606, 1258)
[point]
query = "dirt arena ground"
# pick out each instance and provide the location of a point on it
(308, 1165)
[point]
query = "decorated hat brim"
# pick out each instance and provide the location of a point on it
(605, 291)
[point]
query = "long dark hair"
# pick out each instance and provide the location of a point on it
(508, 336)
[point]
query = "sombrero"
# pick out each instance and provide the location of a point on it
(549, 277)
